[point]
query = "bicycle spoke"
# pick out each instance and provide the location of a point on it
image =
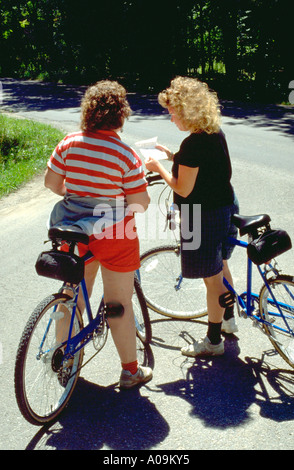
(165, 290)
(277, 310)
(44, 380)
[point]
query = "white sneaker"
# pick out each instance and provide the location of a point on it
(142, 376)
(203, 348)
(229, 326)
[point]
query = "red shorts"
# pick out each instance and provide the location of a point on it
(119, 253)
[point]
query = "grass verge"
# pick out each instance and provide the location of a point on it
(25, 147)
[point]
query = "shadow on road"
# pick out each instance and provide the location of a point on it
(100, 417)
(27, 95)
(220, 390)
(274, 117)
(30, 95)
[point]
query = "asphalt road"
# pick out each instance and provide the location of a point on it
(243, 400)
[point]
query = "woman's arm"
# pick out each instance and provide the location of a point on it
(170, 155)
(183, 184)
(138, 202)
(55, 182)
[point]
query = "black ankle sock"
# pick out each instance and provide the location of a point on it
(214, 332)
(229, 313)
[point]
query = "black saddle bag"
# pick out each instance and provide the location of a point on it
(269, 245)
(63, 266)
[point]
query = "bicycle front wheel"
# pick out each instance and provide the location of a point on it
(44, 380)
(276, 304)
(165, 290)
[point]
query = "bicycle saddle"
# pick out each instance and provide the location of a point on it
(68, 233)
(249, 224)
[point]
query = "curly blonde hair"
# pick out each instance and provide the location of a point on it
(104, 106)
(195, 104)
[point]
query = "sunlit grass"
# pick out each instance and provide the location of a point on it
(25, 147)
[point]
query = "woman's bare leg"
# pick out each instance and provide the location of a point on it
(62, 325)
(118, 288)
(215, 288)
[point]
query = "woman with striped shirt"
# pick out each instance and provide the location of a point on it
(101, 179)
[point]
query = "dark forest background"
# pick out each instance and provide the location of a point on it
(242, 48)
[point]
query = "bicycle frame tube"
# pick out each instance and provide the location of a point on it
(86, 299)
(45, 336)
(138, 275)
(180, 280)
(236, 242)
(248, 306)
(231, 289)
(83, 336)
(278, 305)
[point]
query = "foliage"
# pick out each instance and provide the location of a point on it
(241, 47)
(25, 147)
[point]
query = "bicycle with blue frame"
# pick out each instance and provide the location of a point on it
(47, 370)
(272, 309)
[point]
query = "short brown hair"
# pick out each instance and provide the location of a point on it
(104, 106)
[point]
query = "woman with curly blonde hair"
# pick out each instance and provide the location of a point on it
(200, 177)
(100, 178)
(194, 104)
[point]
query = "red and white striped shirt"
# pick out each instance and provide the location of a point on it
(98, 165)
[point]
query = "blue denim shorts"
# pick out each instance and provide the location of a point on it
(216, 227)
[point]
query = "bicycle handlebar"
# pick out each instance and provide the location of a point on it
(153, 178)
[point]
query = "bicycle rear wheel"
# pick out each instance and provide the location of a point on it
(165, 291)
(44, 380)
(143, 325)
(278, 311)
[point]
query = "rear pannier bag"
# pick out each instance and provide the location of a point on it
(269, 245)
(66, 267)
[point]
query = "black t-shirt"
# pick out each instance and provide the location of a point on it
(208, 152)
